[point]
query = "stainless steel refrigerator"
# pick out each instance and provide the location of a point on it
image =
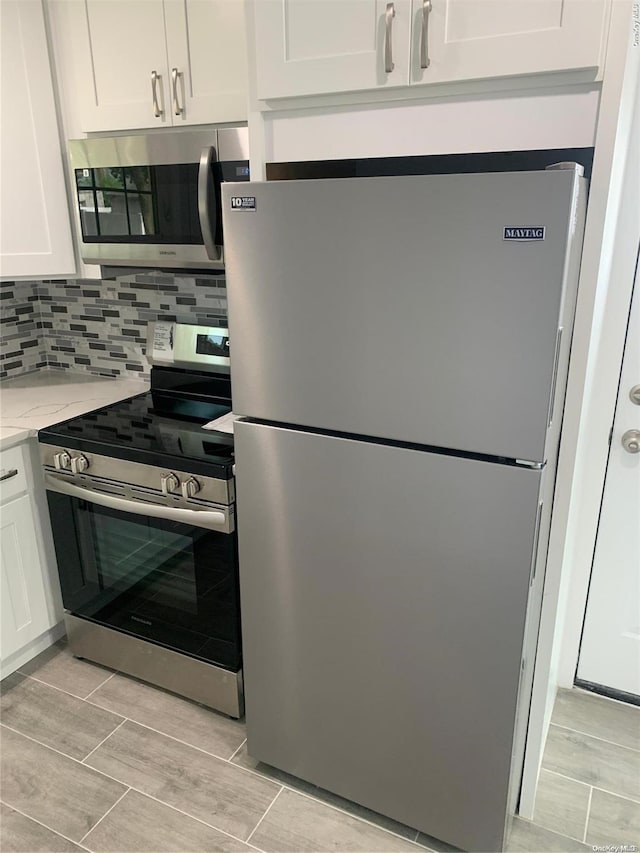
(399, 351)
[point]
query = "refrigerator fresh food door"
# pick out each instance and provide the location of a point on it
(384, 593)
(401, 308)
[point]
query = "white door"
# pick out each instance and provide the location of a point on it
(610, 650)
(207, 54)
(124, 44)
(306, 47)
(25, 614)
(467, 39)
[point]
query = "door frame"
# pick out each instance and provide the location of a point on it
(596, 684)
(604, 300)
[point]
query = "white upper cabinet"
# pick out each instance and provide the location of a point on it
(126, 45)
(474, 39)
(207, 58)
(308, 47)
(35, 231)
(156, 63)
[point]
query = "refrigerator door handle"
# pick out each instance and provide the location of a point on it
(556, 362)
(536, 543)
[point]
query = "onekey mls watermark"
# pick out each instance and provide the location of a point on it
(615, 848)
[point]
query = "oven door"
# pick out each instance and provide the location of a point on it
(164, 574)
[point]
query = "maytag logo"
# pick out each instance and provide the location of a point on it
(529, 233)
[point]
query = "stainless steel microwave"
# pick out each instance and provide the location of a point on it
(154, 200)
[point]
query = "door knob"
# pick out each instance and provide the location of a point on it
(634, 395)
(631, 441)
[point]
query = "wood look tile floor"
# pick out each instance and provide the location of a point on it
(93, 760)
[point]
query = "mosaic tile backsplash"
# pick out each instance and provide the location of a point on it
(100, 325)
(22, 345)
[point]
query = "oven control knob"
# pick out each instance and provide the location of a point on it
(190, 488)
(169, 483)
(61, 460)
(79, 464)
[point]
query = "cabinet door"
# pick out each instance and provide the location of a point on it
(207, 54)
(306, 47)
(126, 44)
(35, 232)
(24, 604)
(467, 39)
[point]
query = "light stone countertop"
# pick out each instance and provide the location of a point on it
(36, 400)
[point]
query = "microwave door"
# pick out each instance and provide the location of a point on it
(209, 203)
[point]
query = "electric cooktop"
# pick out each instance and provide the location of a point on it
(141, 429)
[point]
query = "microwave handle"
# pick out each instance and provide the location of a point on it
(209, 519)
(207, 210)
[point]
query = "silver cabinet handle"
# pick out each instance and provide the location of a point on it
(154, 94)
(389, 15)
(7, 475)
(207, 518)
(425, 62)
(177, 109)
(207, 204)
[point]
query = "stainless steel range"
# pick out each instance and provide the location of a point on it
(142, 505)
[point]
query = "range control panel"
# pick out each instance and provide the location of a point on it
(182, 345)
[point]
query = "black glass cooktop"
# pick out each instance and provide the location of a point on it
(138, 430)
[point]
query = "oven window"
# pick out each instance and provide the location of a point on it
(159, 563)
(139, 204)
(164, 581)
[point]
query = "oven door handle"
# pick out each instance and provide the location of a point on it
(211, 519)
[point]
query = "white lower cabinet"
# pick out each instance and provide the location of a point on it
(30, 606)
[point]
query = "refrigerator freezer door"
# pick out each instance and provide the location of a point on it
(395, 307)
(383, 596)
